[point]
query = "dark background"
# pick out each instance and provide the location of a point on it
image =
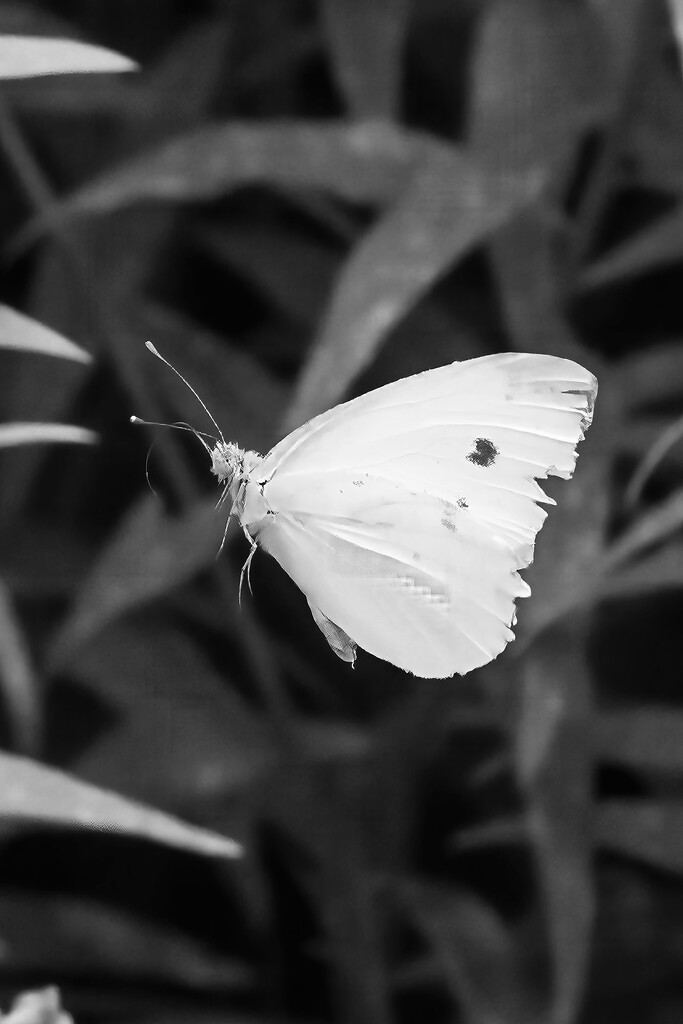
(297, 202)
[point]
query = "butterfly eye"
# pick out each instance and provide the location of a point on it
(222, 462)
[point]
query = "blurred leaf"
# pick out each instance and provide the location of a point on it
(18, 682)
(596, 196)
(510, 831)
(26, 18)
(652, 528)
(25, 57)
(554, 759)
(676, 11)
(68, 935)
(538, 79)
(400, 753)
(40, 1007)
(294, 273)
(185, 736)
(368, 162)
(169, 94)
(639, 435)
(655, 152)
(620, 36)
(651, 377)
(149, 555)
(651, 461)
(479, 958)
(450, 207)
(43, 562)
(32, 792)
(366, 43)
(318, 810)
(651, 739)
(12, 434)
(65, 97)
(178, 89)
(652, 572)
(22, 332)
(657, 246)
(86, 292)
(527, 256)
(648, 830)
(66, 289)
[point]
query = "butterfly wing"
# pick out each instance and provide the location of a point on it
(405, 514)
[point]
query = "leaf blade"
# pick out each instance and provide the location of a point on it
(148, 556)
(647, 830)
(14, 434)
(18, 331)
(35, 792)
(32, 56)
(366, 42)
(451, 206)
(364, 162)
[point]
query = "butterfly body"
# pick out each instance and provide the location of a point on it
(405, 514)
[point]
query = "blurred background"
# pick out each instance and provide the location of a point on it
(298, 202)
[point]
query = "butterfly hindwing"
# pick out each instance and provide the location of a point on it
(405, 514)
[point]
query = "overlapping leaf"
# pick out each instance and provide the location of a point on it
(554, 759)
(29, 56)
(183, 737)
(367, 162)
(451, 206)
(538, 80)
(649, 739)
(149, 555)
(475, 952)
(32, 792)
(21, 332)
(366, 45)
(12, 434)
(650, 831)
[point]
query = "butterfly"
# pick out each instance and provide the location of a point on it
(405, 515)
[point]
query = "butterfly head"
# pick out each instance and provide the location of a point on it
(232, 467)
(227, 462)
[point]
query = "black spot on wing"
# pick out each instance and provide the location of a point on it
(484, 453)
(462, 503)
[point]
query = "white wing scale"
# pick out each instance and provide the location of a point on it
(405, 514)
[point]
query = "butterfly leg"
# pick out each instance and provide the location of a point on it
(223, 538)
(246, 568)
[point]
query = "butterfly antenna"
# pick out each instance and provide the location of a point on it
(149, 482)
(155, 352)
(199, 434)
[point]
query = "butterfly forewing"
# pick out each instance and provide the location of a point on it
(539, 395)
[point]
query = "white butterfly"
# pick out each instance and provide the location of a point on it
(404, 515)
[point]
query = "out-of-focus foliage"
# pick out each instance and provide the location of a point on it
(42, 1007)
(298, 202)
